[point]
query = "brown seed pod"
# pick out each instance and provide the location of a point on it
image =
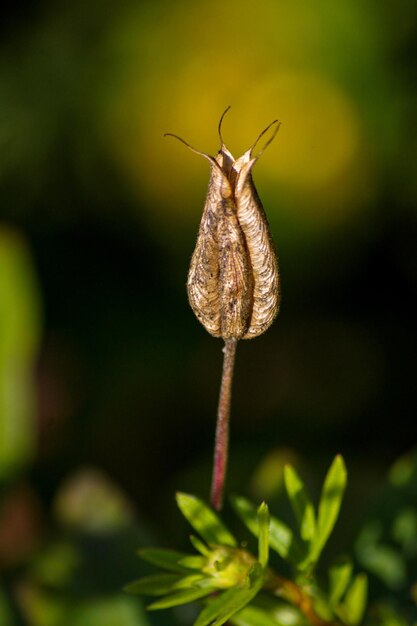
(233, 281)
(261, 250)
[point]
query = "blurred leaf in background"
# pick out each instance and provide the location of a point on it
(45, 610)
(387, 543)
(77, 574)
(19, 344)
(6, 616)
(71, 569)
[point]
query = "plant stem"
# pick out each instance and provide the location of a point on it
(221, 445)
(297, 596)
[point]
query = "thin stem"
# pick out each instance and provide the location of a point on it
(221, 445)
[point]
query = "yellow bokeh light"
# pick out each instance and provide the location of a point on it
(318, 164)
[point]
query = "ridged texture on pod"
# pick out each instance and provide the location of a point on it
(261, 250)
(233, 282)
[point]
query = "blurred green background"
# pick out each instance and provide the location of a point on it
(108, 384)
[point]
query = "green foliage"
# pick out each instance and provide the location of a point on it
(233, 583)
(167, 559)
(340, 575)
(204, 521)
(48, 610)
(387, 543)
(6, 618)
(314, 535)
(221, 566)
(354, 605)
(230, 602)
(279, 615)
(281, 537)
(301, 504)
(263, 519)
(19, 337)
(329, 506)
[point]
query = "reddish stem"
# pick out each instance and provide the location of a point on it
(221, 445)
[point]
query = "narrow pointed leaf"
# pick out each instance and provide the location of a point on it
(182, 597)
(354, 604)
(263, 539)
(194, 561)
(300, 502)
(281, 537)
(329, 506)
(199, 545)
(221, 609)
(157, 585)
(167, 559)
(339, 578)
(193, 581)
(205, 521)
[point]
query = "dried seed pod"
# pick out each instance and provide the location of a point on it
(261, 250)
(233, 281)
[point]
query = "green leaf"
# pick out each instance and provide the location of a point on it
(157, 585)
(200, 546)
(383, 560)
(167, 559)
(194, 580)
(300, 502)
(182, 597)
(329, 505)
(255, 616)
(219, 610)
(339, 574)
(106, 611)
(281, 538)
(194, 561)
(20, 328)
(205, 521)
(263, 539)
(354, 604)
